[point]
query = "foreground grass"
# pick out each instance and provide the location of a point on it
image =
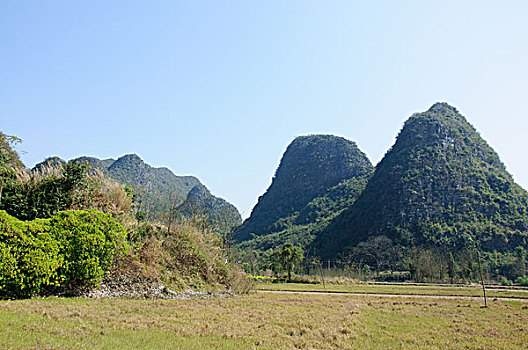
(263, 321)
(396, 289)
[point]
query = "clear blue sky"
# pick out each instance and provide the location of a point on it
(218, 89)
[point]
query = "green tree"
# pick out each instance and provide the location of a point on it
(43, 192)
(9, 160)
(452, 267)
(286, 258)
(522, 253)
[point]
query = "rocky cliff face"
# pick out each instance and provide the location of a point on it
(439, 183)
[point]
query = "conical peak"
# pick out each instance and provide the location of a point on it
(322, 154)
(440, 174)
(319, 137)
(310, 167)
(131, 158)
(440, 116)
(444, 109)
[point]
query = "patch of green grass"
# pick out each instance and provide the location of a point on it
(263, 321)
(473, 291)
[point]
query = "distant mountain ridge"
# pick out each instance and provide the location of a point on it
(159, 188)
(218, 211)
(438, 185)
(130, 169)
(318, 176)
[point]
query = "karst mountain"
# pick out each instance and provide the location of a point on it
(440, 184)
(318, 177)
(159, 190)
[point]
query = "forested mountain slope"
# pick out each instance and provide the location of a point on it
(439, 185)
(318, 176)
(158, 188)
(216, 211)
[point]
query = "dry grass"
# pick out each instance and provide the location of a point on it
(263, 321)
(104, 194)
(473, 291)
(190, 257)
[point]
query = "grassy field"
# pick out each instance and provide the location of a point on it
(398, 289)
(264, 321)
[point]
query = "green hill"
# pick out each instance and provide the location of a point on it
(318, 177)
(159, 189)
(130, 169)
(217, 211)
(440, 184)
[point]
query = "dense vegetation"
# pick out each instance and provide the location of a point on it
(160, 194)
(216, 212)
(65, 254)
(318, 177)
(51, 244)
(192, 256)
(442, 190)
(55, 186)
(438, 205)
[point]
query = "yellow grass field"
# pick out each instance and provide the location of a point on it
(265, 320)
(400, 289)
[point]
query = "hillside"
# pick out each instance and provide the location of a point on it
(130, 169)
(318, 176)
(440, 184)
(158, 189)
(54, 216)
(217, 211)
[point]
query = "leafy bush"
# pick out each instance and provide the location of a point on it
(29, 257)
(54, 186)
(70, 251)
(505, 282)
(89, 239)
(523, 281)
(43, 192)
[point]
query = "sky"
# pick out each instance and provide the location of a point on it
(218, 89)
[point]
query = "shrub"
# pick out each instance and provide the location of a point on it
(523, 281)
(505, 282)
(53, 187)
(29, 257)
(68, 252)
(44, 192)
(89, 240)
(196, 253)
